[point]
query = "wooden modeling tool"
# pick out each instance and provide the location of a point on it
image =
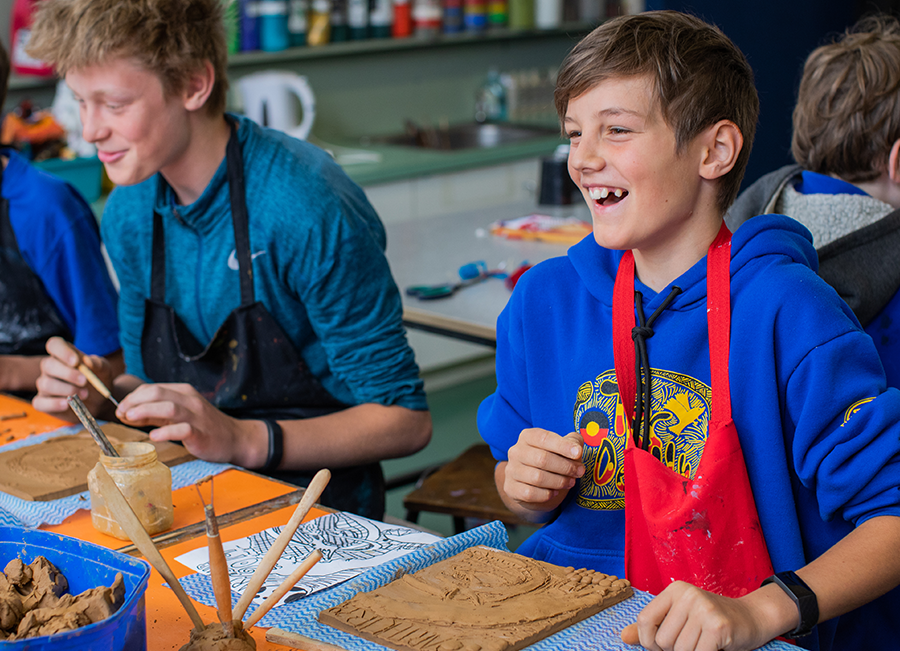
(314, 557)
(218, 566)
(121, 510)
(97, 384)
(91, 426)
(312, 494)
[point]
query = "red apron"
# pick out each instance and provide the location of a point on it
(704, 530)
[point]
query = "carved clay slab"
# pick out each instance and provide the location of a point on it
(58, 467)
(482, 599)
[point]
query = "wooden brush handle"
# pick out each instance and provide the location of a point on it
(313, 492)
(123, 513)
(304, 567)
(95, 381)
(218, 570)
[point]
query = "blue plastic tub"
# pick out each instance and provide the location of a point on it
(85, 565)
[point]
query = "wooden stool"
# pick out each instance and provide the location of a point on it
(463, 488)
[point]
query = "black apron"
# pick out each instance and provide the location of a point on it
(250, 369)
(28, 318)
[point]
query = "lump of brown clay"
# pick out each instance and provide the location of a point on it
(33, 601)
(11, 609)
(40, 583)
(214, 638)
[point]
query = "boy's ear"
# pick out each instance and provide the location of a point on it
(722, 143)
(893, 169)
(199, 86)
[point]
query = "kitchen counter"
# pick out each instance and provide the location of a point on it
(403, 163)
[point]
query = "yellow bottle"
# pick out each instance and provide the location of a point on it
(146, 484)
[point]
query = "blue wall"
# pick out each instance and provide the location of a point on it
(776, 37)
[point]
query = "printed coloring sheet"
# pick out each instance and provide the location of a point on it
(350, 545)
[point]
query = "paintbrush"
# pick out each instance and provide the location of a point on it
(91, 426)
(313, 492)
(97, 384)
(299, 572)
(218, 565)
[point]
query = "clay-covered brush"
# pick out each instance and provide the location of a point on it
(91, 426)
(97, 383)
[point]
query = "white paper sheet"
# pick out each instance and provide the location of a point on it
(350, 544)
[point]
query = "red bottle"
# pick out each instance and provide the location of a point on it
(20, 32)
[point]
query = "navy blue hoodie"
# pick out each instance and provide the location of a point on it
(819, 429)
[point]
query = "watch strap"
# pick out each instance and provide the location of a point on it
(276, 445)
(803, 597)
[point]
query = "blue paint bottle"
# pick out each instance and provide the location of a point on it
(273, 29)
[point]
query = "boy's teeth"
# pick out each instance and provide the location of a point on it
(598, 194)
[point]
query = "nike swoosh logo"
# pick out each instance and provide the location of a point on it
(232, 259)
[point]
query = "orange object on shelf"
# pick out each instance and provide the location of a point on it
(41, 127)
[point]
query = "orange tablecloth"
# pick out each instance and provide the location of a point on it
(33, 422)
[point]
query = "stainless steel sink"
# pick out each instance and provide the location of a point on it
(469, 135)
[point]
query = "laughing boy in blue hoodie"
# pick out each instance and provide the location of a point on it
(661, 109)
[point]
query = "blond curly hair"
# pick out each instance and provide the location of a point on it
(171, 38)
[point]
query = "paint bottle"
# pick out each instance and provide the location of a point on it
(146, 484)
(273, 29)
(381, 18)
(340, 31)
(358, 19)
(231, 14)
(548, 14)
(475, 15)
(426, 17)
(297, 22)
(319, 23)
(521, 14)
(249, 15)
(453, 16)
(20, 31)
(402, 26)
(498, 14)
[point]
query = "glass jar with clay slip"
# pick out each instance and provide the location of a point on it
(146, 484)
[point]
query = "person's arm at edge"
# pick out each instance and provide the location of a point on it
(857, 569)
(356, 435)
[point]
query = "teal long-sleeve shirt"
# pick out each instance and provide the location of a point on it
(318, 266)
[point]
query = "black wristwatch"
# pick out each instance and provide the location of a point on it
(803, 596)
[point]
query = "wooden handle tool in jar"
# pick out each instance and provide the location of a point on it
(301, 570)
(218, 565)
(121, 510)
(312, 494)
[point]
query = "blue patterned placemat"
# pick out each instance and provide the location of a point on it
(597, 633)
(24, 513)
(296, 614)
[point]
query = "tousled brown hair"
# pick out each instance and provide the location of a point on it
(847, 115)
(171, 38)
(699, 76)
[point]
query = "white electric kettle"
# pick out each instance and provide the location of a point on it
(267, 101)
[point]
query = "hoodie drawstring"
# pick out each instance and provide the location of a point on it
(640, 334)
